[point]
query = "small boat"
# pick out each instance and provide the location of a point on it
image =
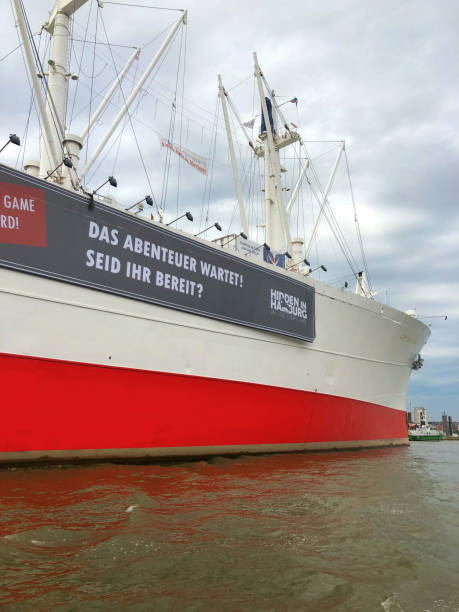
(424, 434)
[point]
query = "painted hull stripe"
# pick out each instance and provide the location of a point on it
(171, 453)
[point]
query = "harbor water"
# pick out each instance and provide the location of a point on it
(367, 530)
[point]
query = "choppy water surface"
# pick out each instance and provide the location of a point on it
(368, 530)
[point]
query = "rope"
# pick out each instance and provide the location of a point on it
(211, 157)
(189, 113)
(160, 8)
(26, 130)
(333, 223)
(359, 235)
(128, 78)
(139, 121)
(93, 76)
(167, 162)
(69, 55)
(240, 82)
(246, 176)
(12, 51)
(81, 60)
(168, 101)
(130, 119)
(166, 29)
(340, 278)
(26, 71)
(31, 104)
(92, 82)
(117, 140)
(181, 119)
(119, 137)
(98, 42)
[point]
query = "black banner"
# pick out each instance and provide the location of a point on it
(49, 231)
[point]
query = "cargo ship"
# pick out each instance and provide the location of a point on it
(124, 338)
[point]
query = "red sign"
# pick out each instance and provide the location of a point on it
(22, 215)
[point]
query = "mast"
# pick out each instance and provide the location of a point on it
(55, 143)
(222, 94)
(277, 233)
(58, 84)
(47, 139)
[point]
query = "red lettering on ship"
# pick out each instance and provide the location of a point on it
(22, 215)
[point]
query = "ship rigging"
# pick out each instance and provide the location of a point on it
(61, 150)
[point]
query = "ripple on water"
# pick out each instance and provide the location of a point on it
(334, 531)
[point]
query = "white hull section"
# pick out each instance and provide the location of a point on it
(363, 350)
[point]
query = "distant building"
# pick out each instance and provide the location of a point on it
(420, 416)
(450, 426)
(444, 420)
(409, 418)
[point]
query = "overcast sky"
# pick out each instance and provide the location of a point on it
(383, 76)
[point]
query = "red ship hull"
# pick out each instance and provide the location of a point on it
(61, 409)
